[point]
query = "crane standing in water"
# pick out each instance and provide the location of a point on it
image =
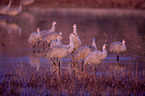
(56, 42)
(96, 56)
(83, 51)
(49, 37)
(59, 51)
(50, 30)
(118, 47)
(35, 37)
(76, 39)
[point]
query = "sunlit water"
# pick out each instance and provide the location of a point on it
(105, 25)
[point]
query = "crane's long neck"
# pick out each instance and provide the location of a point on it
(71, 44)
(104, 55)
(58, 41)
(53, 28)
(20, 8)
(75, 30)
(8, 6)
(123, 48)
(94, 44)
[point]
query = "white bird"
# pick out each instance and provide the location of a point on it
(76, 39)
(59, 51)
(96, 56)
(35, 37)
(27, 2)
(2, 44)
(118, 47)
(83, 51)
(4, 9)
(14, 11)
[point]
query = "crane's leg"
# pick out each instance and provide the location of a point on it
(118, 58)
(72, 55)
(53, 62)
(82, 65)
(2, 44)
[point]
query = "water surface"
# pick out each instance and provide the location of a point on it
(106, 25)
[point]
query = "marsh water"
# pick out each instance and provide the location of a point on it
(105, 25)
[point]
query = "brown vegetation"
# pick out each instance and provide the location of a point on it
(45, 83)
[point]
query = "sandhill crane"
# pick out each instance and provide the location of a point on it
(59, 51)
(76, 39)
(2, 44)
(56, 42)
(27, 2)
(118, 47)
(50, 30)
(96, 56)
(4, 9)
(83, 51)
(35, 37)
(14, 11)
(48, 37)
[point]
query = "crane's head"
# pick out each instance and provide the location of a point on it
(60, 33)
(123, 41)
(54, 23)
(74, 25)
(38, 29)
(105, 46)
(71, 35)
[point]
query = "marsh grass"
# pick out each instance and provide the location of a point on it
(66, 83)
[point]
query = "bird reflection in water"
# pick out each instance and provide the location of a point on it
(3, 23)
(13, 27)
(34, 59)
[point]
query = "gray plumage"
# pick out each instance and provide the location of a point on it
(96, 56)
(48, 37)
(76, 39)
(35, 37)
(56, 42)
(118, 47)
(59, 51)
(50, 30)
(83, 51)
